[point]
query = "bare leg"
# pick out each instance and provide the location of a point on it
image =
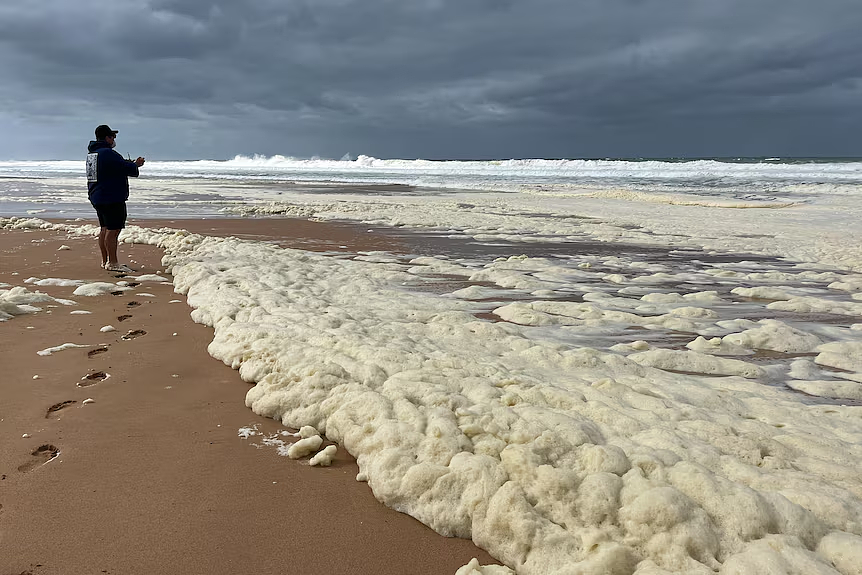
(111, 241)
(103, 246)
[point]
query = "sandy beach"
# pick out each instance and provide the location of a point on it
(122, 456)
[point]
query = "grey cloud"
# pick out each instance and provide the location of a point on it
(438, 78)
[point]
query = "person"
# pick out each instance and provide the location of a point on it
(108, 188)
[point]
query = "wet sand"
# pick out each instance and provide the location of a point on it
(151, 476)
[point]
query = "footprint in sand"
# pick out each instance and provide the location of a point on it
(123, 317)
(133, 334)
(41, 455)
(57, 407)
(97, 351)
(92, 379)
(133, 304)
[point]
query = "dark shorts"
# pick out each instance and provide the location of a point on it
(111, 216)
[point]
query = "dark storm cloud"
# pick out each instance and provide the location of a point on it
(434, 78)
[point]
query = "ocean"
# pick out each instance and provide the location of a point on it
(756, 179)
(597, 366)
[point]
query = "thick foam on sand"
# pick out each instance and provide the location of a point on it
(19, 300)
(544, 453)
(563, 424)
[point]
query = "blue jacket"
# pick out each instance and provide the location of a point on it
(108, 174)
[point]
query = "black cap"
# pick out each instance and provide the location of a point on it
(104, 131)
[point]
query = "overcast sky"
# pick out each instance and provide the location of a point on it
(187, 79)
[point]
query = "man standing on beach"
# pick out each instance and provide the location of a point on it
(108, 187)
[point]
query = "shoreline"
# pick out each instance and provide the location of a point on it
(152, 476)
